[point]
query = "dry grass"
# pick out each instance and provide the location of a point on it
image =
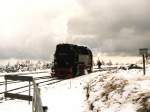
(143, 99)
(113, 85)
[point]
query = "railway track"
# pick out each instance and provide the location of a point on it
(23, 73)
(41, 81)
(50, 81)
(11, 82)
(48, 76)
(19, 74)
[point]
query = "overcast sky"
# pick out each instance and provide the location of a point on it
(32, 28)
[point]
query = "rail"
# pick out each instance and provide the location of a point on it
(36, 100)
(22, 73)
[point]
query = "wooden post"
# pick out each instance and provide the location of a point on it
(144, 53)
(5, 86)
(29, 91)
(45, 108)
(70, 83)
(144, 71)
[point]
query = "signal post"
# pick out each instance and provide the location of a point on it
(144, 53)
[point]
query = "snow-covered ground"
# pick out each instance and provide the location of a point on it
(120, 91)
(102, 91)
(68, 95)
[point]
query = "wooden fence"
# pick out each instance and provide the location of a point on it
(36, 99)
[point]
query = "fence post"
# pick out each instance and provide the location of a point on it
(5, 87)
(144, 71)
(45, 108)
(29, 91)
(37, 103)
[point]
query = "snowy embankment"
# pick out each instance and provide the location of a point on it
(68, 95)
(121, 91)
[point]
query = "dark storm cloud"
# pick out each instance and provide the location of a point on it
(117, 26)
(31, 48)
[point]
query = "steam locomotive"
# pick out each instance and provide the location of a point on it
(71, 60)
